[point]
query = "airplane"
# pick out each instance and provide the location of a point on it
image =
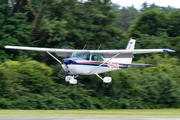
(94, 62)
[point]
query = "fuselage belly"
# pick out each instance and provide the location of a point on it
(86, 69)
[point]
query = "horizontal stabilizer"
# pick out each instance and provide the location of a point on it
(139, 64)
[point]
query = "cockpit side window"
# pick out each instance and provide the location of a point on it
(94, 57)
(101, 58)
(97, 58)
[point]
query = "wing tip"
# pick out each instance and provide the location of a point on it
(168, 50)
(7, 46)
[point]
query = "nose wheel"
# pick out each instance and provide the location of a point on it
(71, 79)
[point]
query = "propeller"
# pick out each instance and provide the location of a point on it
(62, 74)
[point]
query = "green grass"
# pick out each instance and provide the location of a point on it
(149, 113)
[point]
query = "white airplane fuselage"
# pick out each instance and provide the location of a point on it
(81, 66)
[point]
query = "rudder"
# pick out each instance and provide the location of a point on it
(131, 44)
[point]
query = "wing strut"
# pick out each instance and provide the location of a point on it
(104, 62)
(53, 57)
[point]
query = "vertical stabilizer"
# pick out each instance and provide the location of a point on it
(130, 45)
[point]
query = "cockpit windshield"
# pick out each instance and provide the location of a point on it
(85, 54)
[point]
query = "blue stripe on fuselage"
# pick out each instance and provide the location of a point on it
(91, 64)
(80, 58)
(95, 65)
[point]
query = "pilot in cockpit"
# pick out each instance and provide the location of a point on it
(84, 55)
(94, 57)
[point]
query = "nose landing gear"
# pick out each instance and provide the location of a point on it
(71, 79)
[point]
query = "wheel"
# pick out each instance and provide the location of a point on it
(107, 80)
(67, 79)
(73, 81)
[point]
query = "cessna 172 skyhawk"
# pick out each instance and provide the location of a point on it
(94, 62)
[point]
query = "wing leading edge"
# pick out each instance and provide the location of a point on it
(39, 49)
(59, 52)
(105, 52)
(136, 51)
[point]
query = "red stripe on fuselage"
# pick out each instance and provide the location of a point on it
(93, 62)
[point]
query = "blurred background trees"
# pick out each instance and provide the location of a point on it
(26, 82)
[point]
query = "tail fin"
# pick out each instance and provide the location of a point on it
(130, 45)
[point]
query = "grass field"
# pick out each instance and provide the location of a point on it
(149, 113)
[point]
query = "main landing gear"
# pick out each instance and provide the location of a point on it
(73, 81)
(106, 80)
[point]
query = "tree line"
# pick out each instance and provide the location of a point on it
(29, 80)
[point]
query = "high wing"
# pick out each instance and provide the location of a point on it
(127, 53)
(68, 52)
(136, 51)
(59, 52)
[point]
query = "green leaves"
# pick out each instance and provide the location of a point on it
(148, 87)
(54, 29)
(173, 29)
(126, 16)
(30, 74)
(15, 30)
(150, 22)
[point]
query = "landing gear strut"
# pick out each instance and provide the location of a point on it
(106, 80)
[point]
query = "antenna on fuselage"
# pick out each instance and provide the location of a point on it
(99, 47)
(84, 46)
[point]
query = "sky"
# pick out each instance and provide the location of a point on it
(137, 3)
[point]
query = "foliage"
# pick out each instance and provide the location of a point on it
(152, 22)
(126, 17)
(173, 26)
(72, 22)
(149, 87)
(146, 7)
(19, 79)
(14, 30)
